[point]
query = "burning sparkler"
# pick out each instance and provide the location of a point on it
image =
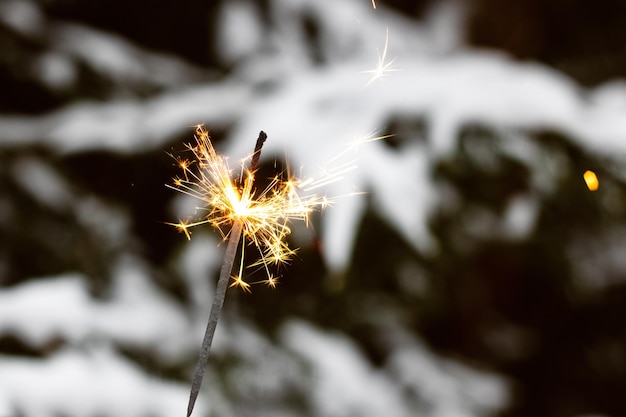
(382, 68)
(264, 215)
(242, 215)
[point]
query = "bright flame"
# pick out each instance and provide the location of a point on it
(591, 180)
(382, 68)
(265, 215)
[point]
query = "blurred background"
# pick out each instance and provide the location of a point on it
(475, 273)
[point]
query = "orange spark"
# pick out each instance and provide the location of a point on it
(591, 180)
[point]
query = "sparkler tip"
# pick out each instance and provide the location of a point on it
(257, 150)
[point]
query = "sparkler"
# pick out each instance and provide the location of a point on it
(258, 218)
(382, 68)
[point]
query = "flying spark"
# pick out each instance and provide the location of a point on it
(591, 180)
(374, 4)
(265, 215)
(382, 68)
(361, 139)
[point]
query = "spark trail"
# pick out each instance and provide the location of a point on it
(382, 68)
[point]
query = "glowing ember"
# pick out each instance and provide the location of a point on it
(591, 180)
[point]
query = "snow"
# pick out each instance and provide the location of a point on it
(112, 55)
(239, 30)
(199, 260)
(520, 217)
(21, 15)
(405, 201)
(40, 310)
(448, 388)
(344, 382)
(42, 182)
(56, 70)
(137, 315)
(413, 381)
(80, 383)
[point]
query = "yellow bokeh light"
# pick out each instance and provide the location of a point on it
(591, 180)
